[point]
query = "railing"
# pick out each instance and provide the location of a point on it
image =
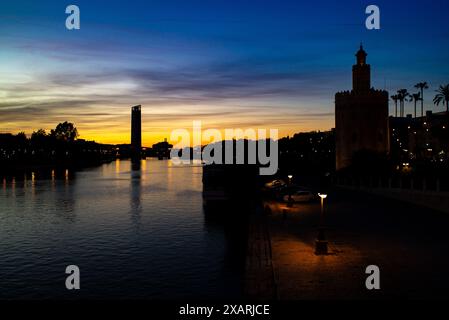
(425, 184)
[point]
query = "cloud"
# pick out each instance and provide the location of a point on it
(94, 83)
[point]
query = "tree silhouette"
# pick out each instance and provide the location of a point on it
(415, 98)
(38, 134)
(402, 97)
(442, 96)
(65, 131)
(395, 98)
(40, 138)
(422, 86)
(21, 137)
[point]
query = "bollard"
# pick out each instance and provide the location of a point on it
(321, 244)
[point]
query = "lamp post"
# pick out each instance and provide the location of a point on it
(290, 200)
(321, 242)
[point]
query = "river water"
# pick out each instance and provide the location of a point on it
(133, 232)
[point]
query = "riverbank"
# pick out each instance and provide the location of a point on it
(260, 279)
(10, 169)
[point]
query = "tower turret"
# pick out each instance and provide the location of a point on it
(361, 73)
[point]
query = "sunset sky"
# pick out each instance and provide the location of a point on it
(258, 64)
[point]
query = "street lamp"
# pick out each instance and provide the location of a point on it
(290, 200)
(321, 242)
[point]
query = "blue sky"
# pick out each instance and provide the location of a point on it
(260, 64)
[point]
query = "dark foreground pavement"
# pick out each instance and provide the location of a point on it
(409, 244)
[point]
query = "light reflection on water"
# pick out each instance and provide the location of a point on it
(134, 233)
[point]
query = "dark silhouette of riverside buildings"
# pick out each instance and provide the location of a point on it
(361, 116)
(136, 132)
(420, 140)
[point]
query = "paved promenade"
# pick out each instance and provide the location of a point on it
(408, 243)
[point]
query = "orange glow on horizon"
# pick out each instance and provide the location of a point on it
(123, 136)
(115, 128)
(149, 138)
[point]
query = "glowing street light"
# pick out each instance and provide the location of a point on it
(322, 196)
(290, 200)
(321, 242)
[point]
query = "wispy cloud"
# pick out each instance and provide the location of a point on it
(229, 65)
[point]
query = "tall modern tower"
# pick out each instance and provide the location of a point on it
(136, 131)
(361, 116)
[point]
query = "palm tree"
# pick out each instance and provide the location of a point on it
(415, 98)
(395, 98)
(442, 96)
(402, 97)
(422, 86)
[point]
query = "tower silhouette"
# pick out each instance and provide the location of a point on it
(361, 116)
(136, 132)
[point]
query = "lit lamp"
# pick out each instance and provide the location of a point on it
(321, 242)
(290, 200)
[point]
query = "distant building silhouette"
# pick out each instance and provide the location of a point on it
(361, 116)
(414, 140)
(162, 149)
(136, 131)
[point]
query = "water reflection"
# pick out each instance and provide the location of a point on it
(66, 177)
(13, 186)
(136, 193)
(117, 166)
(137, 229)
(33, 184)
(53, 180)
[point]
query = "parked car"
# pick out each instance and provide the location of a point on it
(300, 196)
(275, 184)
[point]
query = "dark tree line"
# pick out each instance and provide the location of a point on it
(60, 146)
